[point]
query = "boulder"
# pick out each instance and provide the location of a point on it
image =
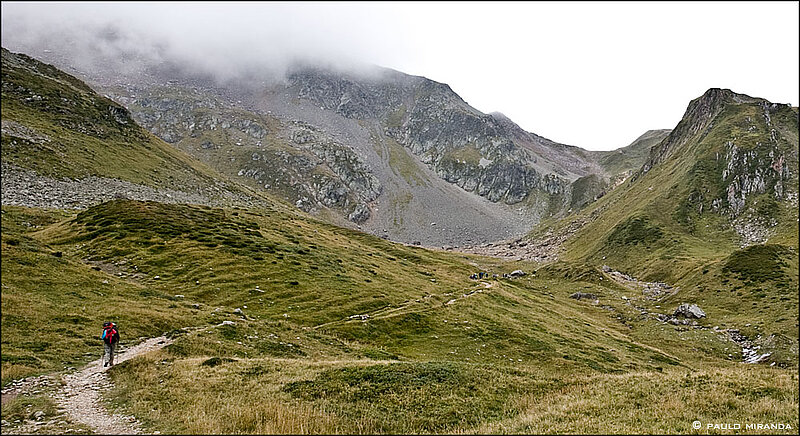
(360, 214)
(583, 296)
(689, 311)
(517, 273)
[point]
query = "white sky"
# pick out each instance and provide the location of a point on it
(595, 75)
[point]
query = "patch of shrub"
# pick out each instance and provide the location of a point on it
(758, 263)
(214, 361)
(634, 231)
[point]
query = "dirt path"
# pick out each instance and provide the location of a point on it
(80, 398)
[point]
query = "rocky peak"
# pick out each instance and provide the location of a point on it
(696, 120)
(352, 95)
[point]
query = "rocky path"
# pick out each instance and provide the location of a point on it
(390, 311)
(80, 398)
(651, 290)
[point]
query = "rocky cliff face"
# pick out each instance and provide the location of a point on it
(307, 154)
(480, 153)
(742, 158)
(293, 159)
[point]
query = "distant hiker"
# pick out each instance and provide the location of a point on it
(110, 339)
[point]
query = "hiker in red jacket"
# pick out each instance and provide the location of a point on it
(110, 339)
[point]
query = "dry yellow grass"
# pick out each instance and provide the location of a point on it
(652, 402)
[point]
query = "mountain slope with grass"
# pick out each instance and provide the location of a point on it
(713, 213)
(56, 128)
(320, 323)
(630, 158)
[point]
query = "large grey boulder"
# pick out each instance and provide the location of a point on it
(517, 273)
(689, 311)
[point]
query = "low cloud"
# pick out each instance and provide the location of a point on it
(218, 40)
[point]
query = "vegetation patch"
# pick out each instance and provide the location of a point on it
(758, 263)
(635, 231)
(431, 396)
(214, 361)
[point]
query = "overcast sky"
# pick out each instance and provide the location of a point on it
(595, 75)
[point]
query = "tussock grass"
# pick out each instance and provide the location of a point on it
(646, 402)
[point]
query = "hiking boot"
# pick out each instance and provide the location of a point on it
(105, 364)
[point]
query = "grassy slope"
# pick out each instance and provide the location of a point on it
(631, 157)
(650, 228)
(312, 368)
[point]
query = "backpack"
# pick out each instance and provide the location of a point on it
(110, 334)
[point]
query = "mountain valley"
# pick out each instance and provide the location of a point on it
(342, 252)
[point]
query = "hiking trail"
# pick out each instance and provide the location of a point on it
(405, 307)
(80, 396)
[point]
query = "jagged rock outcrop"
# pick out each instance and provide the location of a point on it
(173, 113)
(357, 181)
(319, 172)
(698, 119)
(745, 161)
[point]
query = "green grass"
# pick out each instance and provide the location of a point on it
(654, 403)
(396, 118)
(218, 257)
(54, 306)
(444, 367)
(587, 189)
(760, 263)
(432, 396)
(478, 363)
(404, 165)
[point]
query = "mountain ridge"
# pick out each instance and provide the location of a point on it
(384, 118)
